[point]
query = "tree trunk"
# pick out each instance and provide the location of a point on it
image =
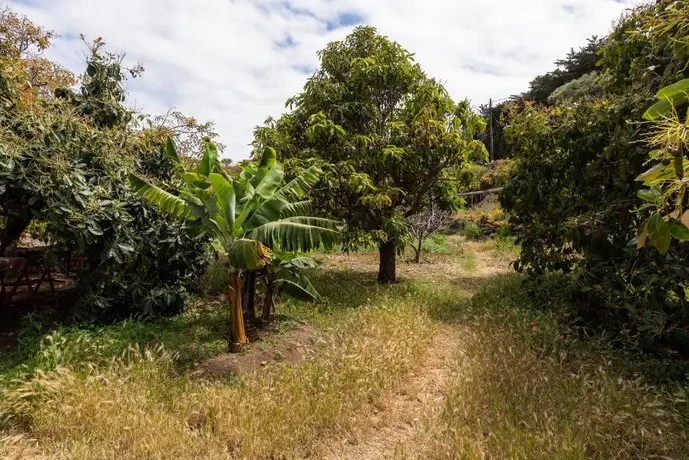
(13, 230)
(237, 335)
(418, 249)
(386, 268)
(268, 302)
(249, 297)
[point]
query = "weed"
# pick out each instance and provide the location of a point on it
(472, 231)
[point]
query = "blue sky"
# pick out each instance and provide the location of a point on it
(237, 61)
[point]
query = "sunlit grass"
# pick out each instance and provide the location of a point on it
(525, 390)
(139, 407)
(525, 386)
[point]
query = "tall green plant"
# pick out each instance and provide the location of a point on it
(251, 215)
(286, 273)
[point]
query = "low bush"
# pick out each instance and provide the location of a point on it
(472, 231)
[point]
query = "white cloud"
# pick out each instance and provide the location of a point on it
(220, 59)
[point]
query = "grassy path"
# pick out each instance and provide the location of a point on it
(401, 414)
(400, 417)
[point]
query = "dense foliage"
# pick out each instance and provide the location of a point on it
(64, 162)
(574, 199)
(384, 134)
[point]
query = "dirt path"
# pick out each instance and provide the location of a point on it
(400, 417)
(403, 412)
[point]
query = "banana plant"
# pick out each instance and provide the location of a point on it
(251, 216)
(285, 273)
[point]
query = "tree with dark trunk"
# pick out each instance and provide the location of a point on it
(384, 134)
(387, 270)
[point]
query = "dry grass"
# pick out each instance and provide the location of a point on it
(523, 391)
(138, 409)
(501, 380)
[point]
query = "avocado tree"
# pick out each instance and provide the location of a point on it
(250, 216)
(382, 131)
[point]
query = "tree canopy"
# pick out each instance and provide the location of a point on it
(383, 132)
(64, 160)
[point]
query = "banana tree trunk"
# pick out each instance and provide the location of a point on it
(237, 335)
(249, 297)
(268, 302)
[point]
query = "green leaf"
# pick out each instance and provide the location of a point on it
(171, 151)
(301, 289)
(657, 110)
(278, 205)
(246, 254)
(678, 230)
(669, 97)
(170, 204)
(225, 195)
(659, 232)
(300, 263)
(651, 195)
(209, 162)
(268, 158)
(270, 182)
(659, 172)
(670, 92)
(641, 241)
(298, 234)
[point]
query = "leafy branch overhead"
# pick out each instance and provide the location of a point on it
(667, 181)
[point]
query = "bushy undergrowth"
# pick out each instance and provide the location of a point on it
(573, 200)
(472, 231)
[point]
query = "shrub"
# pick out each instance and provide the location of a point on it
(472, 231)
(573, 200)
(214, 280)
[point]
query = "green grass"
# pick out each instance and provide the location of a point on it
(196, 334)
(435, 244)
(468, 260)
(141, 406)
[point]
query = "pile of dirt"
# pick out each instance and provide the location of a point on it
(289, 347)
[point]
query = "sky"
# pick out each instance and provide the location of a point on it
(237, 61)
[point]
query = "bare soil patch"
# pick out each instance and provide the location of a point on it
(287, 347)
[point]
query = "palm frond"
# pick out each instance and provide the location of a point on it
(170, 204)
(226, 198)
(299, 208)
(298, 187)
(298, 234)
(301, 289)
(269, 182)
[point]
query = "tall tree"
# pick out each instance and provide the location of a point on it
(382, 131)
(575, 65)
